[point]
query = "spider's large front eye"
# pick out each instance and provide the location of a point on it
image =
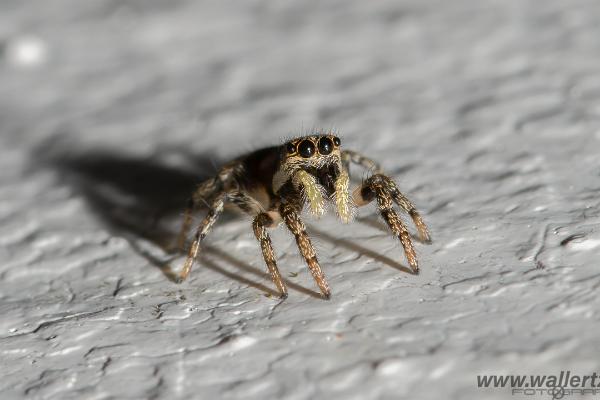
(325, 145)
(306, 148)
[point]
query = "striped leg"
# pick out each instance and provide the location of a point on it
(205, 193)
(399, 199)
(408, 207)
(261, 222)
(357, 158)
(296, 226)
(245, 202)
(187, 223)
(378, 187)
(259, 225)
(213, 213)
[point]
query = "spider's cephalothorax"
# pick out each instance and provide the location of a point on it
(274, 184)
(312, 166)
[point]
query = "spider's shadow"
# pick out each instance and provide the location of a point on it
(140, 198)
(132, 196)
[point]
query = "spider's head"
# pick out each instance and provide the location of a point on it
(319, 155)
(313, 165)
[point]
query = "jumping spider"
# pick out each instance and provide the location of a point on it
(275, 183)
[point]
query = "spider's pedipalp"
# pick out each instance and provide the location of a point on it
(343, 200)
(296, 226)
(311, 189)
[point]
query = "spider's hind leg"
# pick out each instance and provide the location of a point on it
(205, 193)
(385, 191)
(203, 229)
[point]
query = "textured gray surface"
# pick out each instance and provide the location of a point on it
(486, 112)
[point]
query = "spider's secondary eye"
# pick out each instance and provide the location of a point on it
(325, 145)
(337, 141)
(291, 148)
(306, 148)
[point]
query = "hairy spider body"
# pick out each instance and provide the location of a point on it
(274, 184)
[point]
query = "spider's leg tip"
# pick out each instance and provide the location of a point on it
(283, 296)
(178, 278)
(327, 296)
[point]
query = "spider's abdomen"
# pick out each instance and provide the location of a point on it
(257, 174)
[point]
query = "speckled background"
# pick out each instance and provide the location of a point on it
(487, 113)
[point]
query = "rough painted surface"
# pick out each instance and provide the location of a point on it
(486, 112)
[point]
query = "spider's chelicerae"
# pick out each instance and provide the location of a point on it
(275, 183)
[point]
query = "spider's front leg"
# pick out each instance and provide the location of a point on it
(262, 220)
(385, 191)
(292, 220)
(260, 224)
